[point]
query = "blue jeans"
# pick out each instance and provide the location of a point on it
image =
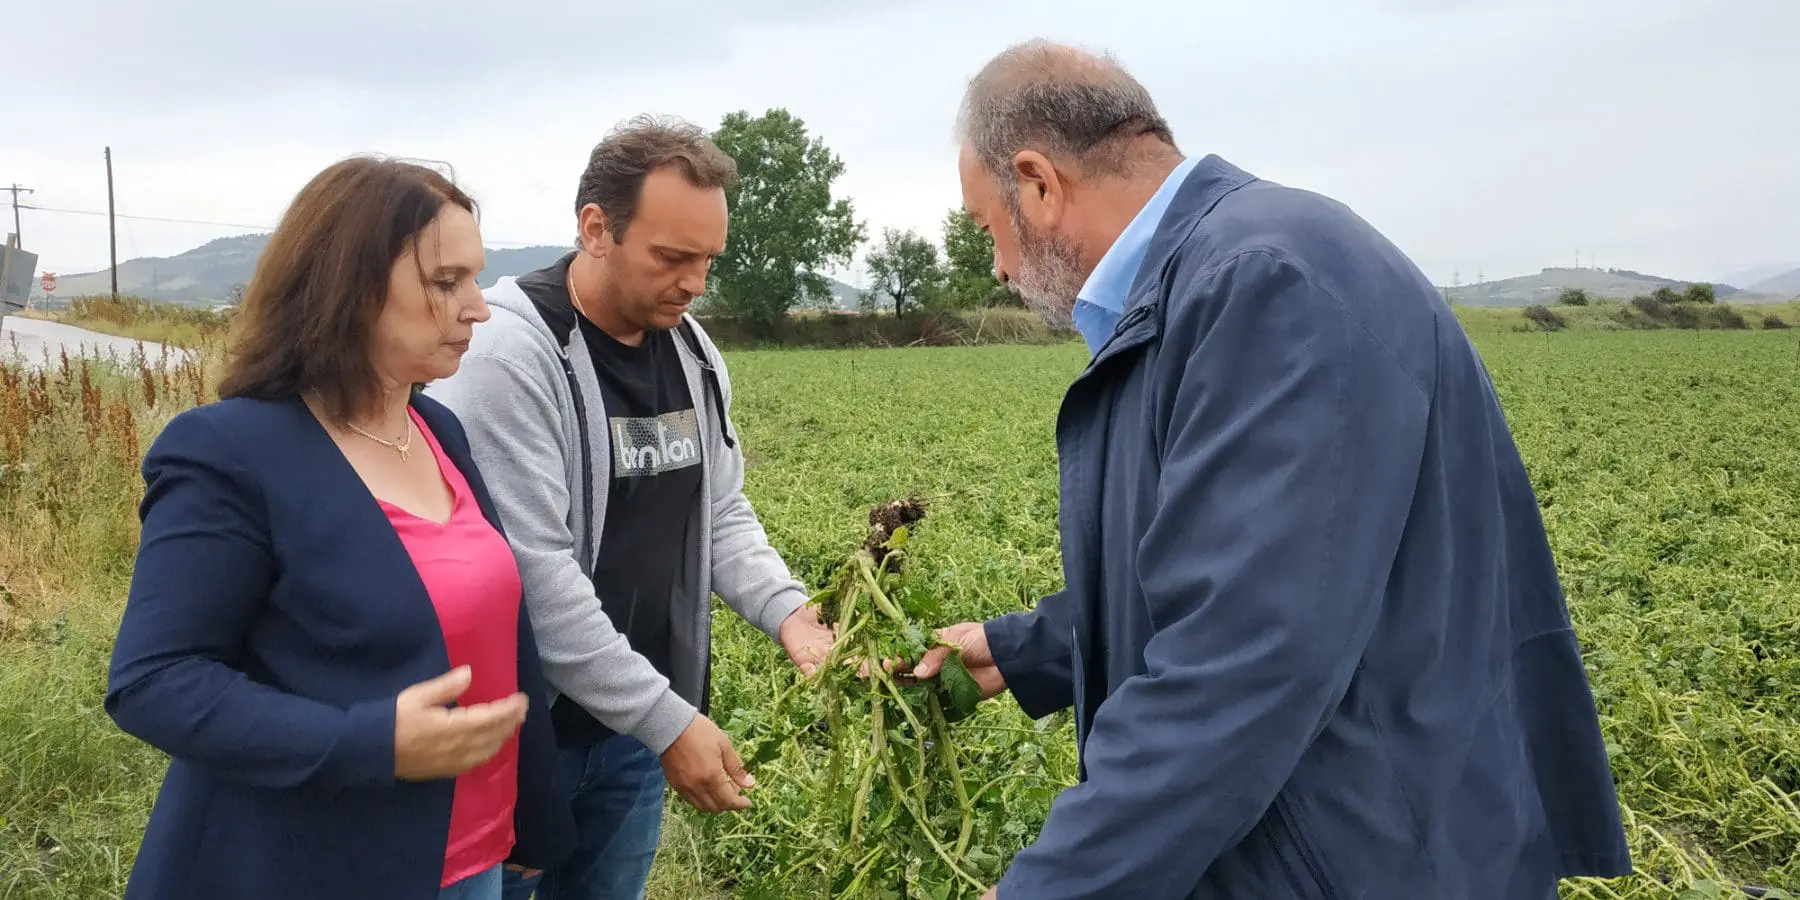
(618, 808)
(480, 886)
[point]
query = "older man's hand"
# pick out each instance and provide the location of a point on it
(970, 641)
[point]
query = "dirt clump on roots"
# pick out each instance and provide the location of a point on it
(887, 518)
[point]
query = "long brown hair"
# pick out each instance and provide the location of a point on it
(309, 311)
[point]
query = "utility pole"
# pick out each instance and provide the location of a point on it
(112, 230)
(16, 191)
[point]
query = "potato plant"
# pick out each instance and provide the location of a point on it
(894, 805)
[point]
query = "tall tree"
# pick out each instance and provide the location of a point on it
(905, 267)
(785, 225)
(969, 265)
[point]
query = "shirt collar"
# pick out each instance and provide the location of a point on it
(1110, 282)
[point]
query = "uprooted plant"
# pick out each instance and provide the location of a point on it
(905, 813)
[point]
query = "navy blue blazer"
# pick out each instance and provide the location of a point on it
(1312, 631)
(274, 616)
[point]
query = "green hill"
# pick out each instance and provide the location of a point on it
(210, 274)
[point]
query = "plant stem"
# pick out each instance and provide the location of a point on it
(862, 870)
(925, 829)
(864, 569)
(905, 710)
(860, 803)
(948, 751)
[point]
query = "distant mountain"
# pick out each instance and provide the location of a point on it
(1785, 285)
(1615, 284)
(201, 276)
(210, 273)
(1747, 278)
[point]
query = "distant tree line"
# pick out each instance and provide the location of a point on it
(1695, 307)
(787, 230)
(1701, 293)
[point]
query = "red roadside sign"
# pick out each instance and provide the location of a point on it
(48, 282)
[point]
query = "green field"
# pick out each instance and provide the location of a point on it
(1668, 466)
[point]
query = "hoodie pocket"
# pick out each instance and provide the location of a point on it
(1294, 847)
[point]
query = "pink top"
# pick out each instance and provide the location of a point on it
(473, 580)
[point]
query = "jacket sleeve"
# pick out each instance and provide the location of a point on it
(747, 573)
(1290, 458)
(202, 577)
(543, 820)
(1033, 652)
(514, 424)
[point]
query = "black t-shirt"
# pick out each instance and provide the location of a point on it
(655, 441)
(651, 498)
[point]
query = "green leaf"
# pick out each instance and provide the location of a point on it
(916, 641)
(960, 687)
(1702, 889)
(765, 751)
(920, 604)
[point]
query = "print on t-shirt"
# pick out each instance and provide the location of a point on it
(654, 445)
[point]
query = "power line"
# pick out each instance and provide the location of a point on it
(247, 227)
(89, 212)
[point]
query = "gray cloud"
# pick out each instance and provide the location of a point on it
(1498, 136)
(185, 52)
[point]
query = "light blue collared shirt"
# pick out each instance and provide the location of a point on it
(1102, 297)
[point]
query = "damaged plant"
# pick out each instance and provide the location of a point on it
(892, 765)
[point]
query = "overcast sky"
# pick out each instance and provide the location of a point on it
(1487, 137)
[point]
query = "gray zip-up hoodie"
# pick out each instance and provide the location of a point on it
(530, 430)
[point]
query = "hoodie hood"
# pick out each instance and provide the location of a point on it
(540, 297)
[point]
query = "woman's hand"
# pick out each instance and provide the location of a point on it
(434, 740)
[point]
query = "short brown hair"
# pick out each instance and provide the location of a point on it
(309, 311)
(614, 178)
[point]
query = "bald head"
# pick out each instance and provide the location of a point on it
(1080, 109)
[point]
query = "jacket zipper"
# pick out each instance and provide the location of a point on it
(711, 377)
(587, 465)
(703, 608)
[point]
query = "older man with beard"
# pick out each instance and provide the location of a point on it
(1312, 632)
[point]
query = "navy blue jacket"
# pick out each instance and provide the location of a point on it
(1311, 628)
(274, 616)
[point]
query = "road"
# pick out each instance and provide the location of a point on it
(30, 338)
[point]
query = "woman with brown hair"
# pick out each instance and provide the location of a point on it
(324, 629)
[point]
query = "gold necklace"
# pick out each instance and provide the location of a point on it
(402, 446)
(574, 295)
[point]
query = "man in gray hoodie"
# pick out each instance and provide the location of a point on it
(598, 410)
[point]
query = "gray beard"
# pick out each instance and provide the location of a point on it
(1050, 275)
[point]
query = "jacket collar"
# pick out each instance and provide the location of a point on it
(548, 291)
(1210, 181)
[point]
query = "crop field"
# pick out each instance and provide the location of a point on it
(1667, 465)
